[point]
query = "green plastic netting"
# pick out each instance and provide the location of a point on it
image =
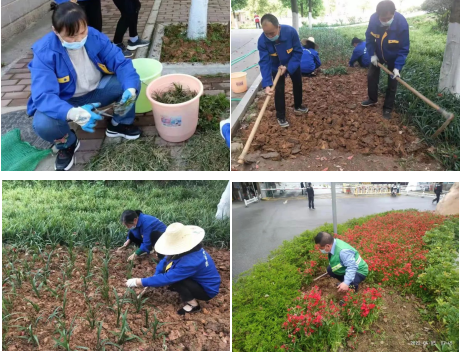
(18, 155)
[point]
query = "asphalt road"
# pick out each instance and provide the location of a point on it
(263, 226)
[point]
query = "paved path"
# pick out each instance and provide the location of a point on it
(244, 41)
(262, 227)
(178, 11)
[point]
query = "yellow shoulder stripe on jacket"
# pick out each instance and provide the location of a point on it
(104, 69)
(63, 79)
(392, 41)
(289, 50)
(168, 266)
(275, 54)
(374, 35)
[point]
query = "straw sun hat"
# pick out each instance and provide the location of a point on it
(310, 39)
(178, 239)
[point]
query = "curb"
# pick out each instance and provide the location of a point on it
(239, 112)
(148, 32)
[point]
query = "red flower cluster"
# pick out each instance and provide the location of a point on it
(392, 245)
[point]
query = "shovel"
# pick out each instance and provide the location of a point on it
(241, 159)
(448, 116)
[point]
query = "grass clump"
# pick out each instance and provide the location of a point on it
(206, 151)
(336, 70)
(212, 109)
(175, 95)
(138, 155)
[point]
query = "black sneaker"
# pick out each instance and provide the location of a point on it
(283, 122)
(129, 132)
(138, 44)
(387, 114)
(301, 110)
(66, 157)
(126, 53)
(368, 103)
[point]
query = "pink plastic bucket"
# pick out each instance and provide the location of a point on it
(175, 122)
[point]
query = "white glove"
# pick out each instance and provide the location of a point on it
(396, 73)
(79, 115)
(374, 60)
(131, 283)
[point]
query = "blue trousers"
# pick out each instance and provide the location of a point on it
(58, 131)
(358, 277)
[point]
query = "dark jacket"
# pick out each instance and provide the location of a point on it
(438, 189)
(390, 45)
(310, 191)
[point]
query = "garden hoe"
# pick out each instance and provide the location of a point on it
(241, 158)
(143, 292)
(448, 116)
(321, 276)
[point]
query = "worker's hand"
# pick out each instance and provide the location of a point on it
(343, 287)
(128, 98)
(132, 282)
(283, 68)
(396, 74)
(374, 60)
(268, 91)
(84, 116)
(132, 257)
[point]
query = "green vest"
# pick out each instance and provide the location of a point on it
(335, 262)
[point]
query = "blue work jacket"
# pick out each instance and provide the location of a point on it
(145, 226)
(310, 61)
(390, 45)
(198, 266)
(54, 78)
(360, 54)
(286, 51)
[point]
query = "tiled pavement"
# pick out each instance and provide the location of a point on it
(16, 82)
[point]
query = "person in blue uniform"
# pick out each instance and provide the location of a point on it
(310, 60)
(76, 69)
(187, 268)
(144, 231)
(92, 10)
(387, 42)
(279, 47)
(359, 54)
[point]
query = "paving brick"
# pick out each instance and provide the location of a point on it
(7, 76)
(213, 92)
(18, 65)
(83, 157)
(9, 82)
(5, 102)
(27, 81)
(18, 103)
(21, 76)
(97, 134)
(16, 95)
(18, 71)
(149, 131)
(146, 120)
(221, 85)
(161, 142)
(90, 145)
(15, 88)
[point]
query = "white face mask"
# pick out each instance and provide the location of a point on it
(323, 251)
(388, 23)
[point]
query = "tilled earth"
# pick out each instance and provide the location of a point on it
(206, 330)
(336, 123)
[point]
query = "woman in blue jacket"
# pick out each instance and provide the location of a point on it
(310, 60)
(92, 10)
(359, 54)
(187, 268)
(144, 231)
(76, 69)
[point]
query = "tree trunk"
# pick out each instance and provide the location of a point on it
(236, 22)
(197, 19)
(294, 13)
(302, 9)
(449, 72)
(310, 14)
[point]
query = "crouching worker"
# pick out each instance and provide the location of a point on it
(144, 232)
(75, 70)
(346, 265)
(187, 268)
(310, 60)
(359, 54)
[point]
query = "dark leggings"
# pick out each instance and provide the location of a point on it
(129, 10)
(279, 98)
(153, 236)
(188, 290)
(92, 10)
(358, 278)
(437, 198)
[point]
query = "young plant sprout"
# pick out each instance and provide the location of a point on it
(122, 335)
(29, 332)
(175, 95)
(101, 343)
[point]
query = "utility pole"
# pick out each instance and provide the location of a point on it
(333, 204)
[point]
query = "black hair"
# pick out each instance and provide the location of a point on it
(128, 216)
(324, 238)
(356, 40)
(385, 7)
(68, 16)
(309, 45)
(271, 18)
(309, 184)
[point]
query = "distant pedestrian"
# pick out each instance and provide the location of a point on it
(438, 191)
(257, 21)
(302, 188)
(310, 195)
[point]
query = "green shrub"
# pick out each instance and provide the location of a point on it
(336, 70)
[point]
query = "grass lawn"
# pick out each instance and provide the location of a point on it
(421, 71)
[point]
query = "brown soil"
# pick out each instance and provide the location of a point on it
(177, 48)
(206, 330)
(337, 126)
(399, 327)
